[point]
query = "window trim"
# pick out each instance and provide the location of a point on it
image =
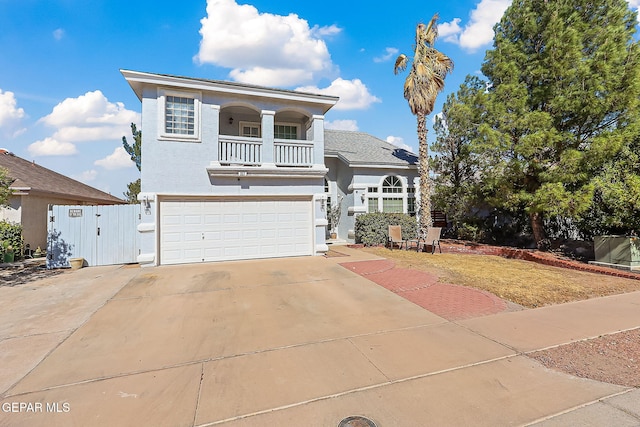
(242, 123)
(378, 193)
(197, 106)
(296, 125)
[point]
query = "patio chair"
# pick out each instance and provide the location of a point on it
(433, 238)
(395, 236)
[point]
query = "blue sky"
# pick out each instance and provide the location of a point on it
(65, 105)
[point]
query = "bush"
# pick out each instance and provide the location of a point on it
(11, 236)
(373, 228)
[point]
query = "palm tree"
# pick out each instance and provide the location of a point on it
(425, 80)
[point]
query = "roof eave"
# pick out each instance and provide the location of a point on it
(138, 79)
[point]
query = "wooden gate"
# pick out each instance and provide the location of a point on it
(102, 235)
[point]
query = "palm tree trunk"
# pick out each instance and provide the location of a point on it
(424, 210)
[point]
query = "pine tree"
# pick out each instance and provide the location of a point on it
(564, 92)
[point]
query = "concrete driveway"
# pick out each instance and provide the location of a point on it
(300, 341)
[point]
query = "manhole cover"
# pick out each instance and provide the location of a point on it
(356, 421)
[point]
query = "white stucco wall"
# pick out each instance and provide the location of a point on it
(175, 167)
(352, 184)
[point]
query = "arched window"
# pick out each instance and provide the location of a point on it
(392, 195)
(392, 184)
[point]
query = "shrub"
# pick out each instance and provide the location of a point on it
(373, 228)
(11, 236)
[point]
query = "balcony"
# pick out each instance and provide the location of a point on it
(295, 153)
(255, 157)
(237, 150)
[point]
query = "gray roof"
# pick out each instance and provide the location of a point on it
(358, 148)
(29, 177)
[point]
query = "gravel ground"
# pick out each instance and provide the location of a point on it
(611, 358)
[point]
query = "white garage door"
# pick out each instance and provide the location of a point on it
(197, 230)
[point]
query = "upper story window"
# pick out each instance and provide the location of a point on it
(285, 131)
(392, 184)
(250, 130)
(181, 119)
(180, 115)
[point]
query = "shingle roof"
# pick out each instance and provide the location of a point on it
(361, 148)
(28, 176)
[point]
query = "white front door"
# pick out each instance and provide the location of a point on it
(220, 229)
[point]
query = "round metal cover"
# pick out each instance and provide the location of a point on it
(356, 421)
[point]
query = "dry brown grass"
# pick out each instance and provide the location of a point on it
(522, 282)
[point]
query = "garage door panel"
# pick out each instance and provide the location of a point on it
(234, 228)
(192, 237)
(213, 219)
(193, 219)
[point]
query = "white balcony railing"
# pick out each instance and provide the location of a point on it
(239, 150)
(288, 152)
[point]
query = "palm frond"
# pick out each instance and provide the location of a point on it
(401, 63)
(431, 30)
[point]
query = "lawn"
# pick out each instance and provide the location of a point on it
(522, 282)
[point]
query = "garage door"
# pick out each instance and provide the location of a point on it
(197, 230)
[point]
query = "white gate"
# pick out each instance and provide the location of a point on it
(102, 235)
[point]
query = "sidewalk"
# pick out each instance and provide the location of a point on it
(298, 341)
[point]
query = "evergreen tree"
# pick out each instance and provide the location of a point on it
(5, 191)
(455, 164)
(135, 151)
(565, 89)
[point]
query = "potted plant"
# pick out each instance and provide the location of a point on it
(8, 252)
(333, 215)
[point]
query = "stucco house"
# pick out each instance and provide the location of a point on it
(34, 188)
(233, 171)
(368, 175)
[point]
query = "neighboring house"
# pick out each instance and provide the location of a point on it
(34, 188)
(233, 171)
(368, 175)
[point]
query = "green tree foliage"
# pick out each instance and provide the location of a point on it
(455, 164)
(563, 108)
(135, 151)
(133, 189)
(421, 87)
(5, 191)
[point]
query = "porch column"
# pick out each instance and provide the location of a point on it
(268, 120)
(316, 132)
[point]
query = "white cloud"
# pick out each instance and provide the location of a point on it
(390, 53)
(52, 147)
(263, 48)
(119, 159)
(88, 110)
(89, 117)
(450, 30)
(634, 4)
(354, 95)
(341, 125)
(58, 34)
(329, 31)
(479, 30)
(10, 116)
(86, 176)
(398, 142)
(270, 76)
